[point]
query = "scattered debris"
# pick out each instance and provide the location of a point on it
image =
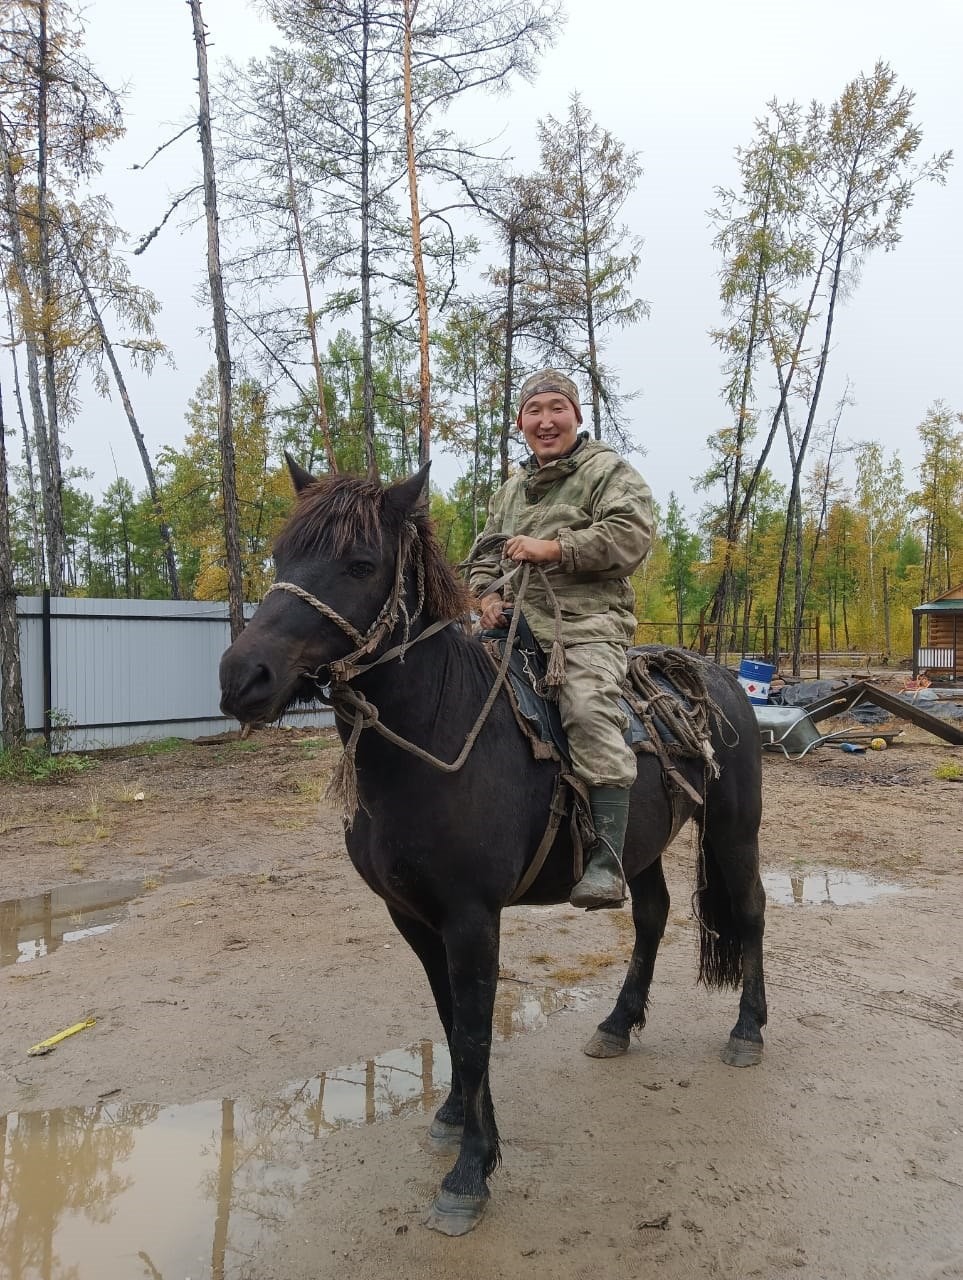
(45, 1046)
(654, 1224)
(862, 691)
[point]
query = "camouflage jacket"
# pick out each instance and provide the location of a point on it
(600, 510)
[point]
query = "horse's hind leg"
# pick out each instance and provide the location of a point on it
(732, 905)
(428, 946)
(650, 910)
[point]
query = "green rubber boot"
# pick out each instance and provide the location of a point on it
(603, 884)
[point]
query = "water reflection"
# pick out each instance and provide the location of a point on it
(38, 925)
(824, 887)
(118, 1191)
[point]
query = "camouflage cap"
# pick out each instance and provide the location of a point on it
(544, 381)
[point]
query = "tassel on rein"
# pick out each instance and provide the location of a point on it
(555, 671)
(342, 790)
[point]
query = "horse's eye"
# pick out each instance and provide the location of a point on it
(360, 569)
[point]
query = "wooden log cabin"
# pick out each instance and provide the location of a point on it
(938, 637)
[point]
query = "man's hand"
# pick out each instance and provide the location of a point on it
(534, 550)
(492, 612)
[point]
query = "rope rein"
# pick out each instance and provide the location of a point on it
(355, 709)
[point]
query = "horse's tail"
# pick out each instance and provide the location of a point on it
(720, 946)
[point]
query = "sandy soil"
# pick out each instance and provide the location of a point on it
(840, 1157)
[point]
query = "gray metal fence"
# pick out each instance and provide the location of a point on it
(106, 673)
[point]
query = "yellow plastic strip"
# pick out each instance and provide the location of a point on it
(52, 1041)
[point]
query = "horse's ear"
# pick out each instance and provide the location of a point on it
(407, 495)
(299, 477)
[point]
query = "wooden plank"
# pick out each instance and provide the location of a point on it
(845, 699)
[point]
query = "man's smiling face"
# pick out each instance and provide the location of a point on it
(550, 426)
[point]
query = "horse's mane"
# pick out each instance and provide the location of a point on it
(337, 511)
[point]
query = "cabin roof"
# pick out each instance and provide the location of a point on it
(949, 602)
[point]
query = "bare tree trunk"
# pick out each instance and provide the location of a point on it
(55, 537)
(36, 547)
(594, 378)
(163, 526)
(724, 587)
(225, 428)
(50, 491)
(799, 588)
(509, 352)
(367, 363)
(476, 453)
(787, 534)
(410, 8)
(11, 682)
(322, 409)
(719, 597)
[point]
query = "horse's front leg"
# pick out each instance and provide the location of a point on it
(429, 947)
(471, 942)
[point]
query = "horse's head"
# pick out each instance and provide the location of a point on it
(340, 561)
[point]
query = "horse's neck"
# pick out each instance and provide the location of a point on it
(443, 677)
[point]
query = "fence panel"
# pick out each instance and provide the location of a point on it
(124, 671)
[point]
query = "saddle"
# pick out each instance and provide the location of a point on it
(667, 707)
(663, 719)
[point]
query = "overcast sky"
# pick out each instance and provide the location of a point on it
(680, 83)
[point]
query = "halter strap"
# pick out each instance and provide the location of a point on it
(344, 669)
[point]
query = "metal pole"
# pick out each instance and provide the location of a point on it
(47, 668)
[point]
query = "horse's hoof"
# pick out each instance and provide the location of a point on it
(742, 1053)
(606, 1045)
(455, 1215)
(444, 1136)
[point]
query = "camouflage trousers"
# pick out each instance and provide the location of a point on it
(591, 716)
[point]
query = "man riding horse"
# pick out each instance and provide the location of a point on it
(579, 508)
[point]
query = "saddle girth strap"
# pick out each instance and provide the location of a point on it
(565, 784)
(558, 810)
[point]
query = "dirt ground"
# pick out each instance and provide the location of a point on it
(839, 1157)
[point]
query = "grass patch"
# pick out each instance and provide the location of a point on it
(36, 764)
(159, 747)
(541, 957)
(949, 771)
(93, 811)
(596, 961)
(567, 975)
(309, 790)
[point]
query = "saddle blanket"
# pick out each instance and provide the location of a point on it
(526, 671)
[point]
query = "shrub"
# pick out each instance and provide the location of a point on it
(35, 764)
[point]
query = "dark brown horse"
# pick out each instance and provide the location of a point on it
(361, 578)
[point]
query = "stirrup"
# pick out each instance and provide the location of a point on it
(602, 886)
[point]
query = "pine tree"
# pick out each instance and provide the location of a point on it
(586, 177)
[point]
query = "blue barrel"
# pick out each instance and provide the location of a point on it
(755, 678)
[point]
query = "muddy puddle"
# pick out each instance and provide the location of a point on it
(825, 887)
(122, 1189)
(38, 925)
